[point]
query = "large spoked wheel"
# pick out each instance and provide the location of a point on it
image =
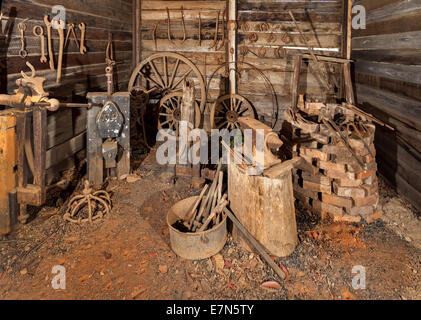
(170, 113)
(227, 109)
(164, 73)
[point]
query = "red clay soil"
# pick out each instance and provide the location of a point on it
(127, 256)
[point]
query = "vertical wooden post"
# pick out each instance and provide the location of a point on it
(349, 30)
(8, 161)
(349, 88)
(40, 149)
(296, 80)
(232, 47)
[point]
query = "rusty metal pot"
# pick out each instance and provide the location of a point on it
(194, 246)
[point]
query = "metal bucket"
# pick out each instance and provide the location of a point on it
(195, 246)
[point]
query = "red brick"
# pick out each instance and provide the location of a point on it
(350, 219)
(304, 193)
(371, 180)
(328, 165)
(325, 207)
(349, 192)
(351, 183)
(317, 187)
(317, 178)
(337, 201)
(366, 174)
(374, 217)
(339, 175)
(366, 201)
(371, 189)
(314, 153)
(362, 211)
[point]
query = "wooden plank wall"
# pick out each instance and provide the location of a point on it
(321, 23)
(388, 84)
(322, 16)
(81, 73)
(207, 60)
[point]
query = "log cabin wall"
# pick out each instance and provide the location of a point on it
(81, 73)
(154, 14)
(388, 84)
(320, 21)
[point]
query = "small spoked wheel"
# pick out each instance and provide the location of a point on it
(226, 111)
(170, 113)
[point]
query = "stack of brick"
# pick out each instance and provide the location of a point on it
(331, 180)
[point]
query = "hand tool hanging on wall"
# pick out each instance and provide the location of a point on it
(223, 30)
(199, 35)
(155, 26)
(183, 24)
(169, 26)
(215, 41)
(60, 29)
(22, 28)
(49, 26)
(38, 31)
(82, 28)
(109, 60)
(71, 30)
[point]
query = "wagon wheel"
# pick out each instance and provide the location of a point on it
(155, 73)
(227, 109)
(170, 112)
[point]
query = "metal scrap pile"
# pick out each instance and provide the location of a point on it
(339, 175)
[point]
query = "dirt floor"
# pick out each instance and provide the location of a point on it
(127, 255)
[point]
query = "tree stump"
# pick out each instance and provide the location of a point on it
(265, 207)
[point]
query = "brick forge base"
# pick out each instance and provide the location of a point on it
(330, 182)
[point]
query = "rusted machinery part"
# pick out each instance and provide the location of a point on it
(271, 38)
(279, 52)
(168, 83)
(215, 41)
(155, 26)
(227, 109)
(170, 112)
(169, 25)
(223, 31)
(253, 37)
(286, 38)
(261, 52)
(199, 36)
(91, 200)
(183, 24)
(268, 84)
(264, 27)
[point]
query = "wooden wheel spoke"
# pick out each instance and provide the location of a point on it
(166, 122)
(242, 111)
(223, 124)
(149, 78)
(182, 79)
(225, 105)
(238, 105)
(157, 73)
(168, 115)
(174, 73)
(165, 71)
